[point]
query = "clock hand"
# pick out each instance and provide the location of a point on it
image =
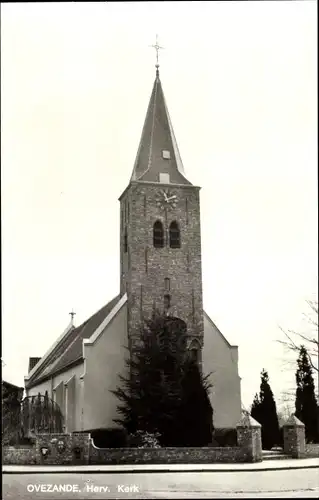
(171, 198)
(165, 196)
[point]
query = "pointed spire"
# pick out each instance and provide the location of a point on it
(158, 156)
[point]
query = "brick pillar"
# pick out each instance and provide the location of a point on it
(81, 442)
(294, 437)
(249, 437)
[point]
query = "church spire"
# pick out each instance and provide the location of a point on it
(158, 158)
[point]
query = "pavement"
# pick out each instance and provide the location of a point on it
(267, 465)
(272, 483)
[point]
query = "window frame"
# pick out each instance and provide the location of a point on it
(158, 234)
(174, 235)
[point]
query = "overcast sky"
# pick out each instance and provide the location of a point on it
(240, 80)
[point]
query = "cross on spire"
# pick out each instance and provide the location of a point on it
(157, 48)
(72, 314)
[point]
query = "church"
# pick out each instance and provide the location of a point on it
(160, 269)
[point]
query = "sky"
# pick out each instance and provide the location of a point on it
(240, 81)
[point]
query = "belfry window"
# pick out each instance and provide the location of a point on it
(167, 284)
(158, 234)
(174, 235)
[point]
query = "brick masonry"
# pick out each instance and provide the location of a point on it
(144, 268)
(249, 438)
(294, 438)
(167, 455)
(19, 455)
(51, 449)
(78, 448)
(62, 449)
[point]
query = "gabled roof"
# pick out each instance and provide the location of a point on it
(158, 136)
(69, 350)
(218, 330)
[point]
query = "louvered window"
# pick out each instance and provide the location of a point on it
(158, 234)
(174, 235)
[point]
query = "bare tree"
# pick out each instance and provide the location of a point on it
(294, 340)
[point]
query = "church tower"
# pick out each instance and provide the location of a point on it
(160, 241)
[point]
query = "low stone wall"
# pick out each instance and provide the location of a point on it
(18, 455)
(78, 448)
(112, 456)
(62, 449)
(312, 451)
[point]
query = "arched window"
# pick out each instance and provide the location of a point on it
(174, 235)
(158, 234)
(194, 355)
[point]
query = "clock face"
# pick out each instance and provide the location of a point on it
(166, 199)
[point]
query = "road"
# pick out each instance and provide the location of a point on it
(271, 483)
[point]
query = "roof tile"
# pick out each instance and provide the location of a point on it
(69, 349)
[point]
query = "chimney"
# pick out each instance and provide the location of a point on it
(33, 362)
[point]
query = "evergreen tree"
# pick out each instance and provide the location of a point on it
(155, 396)
(306, 405)
(264, 411)
(255, 408)
(194, 424)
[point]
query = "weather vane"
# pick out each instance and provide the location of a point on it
(157, 48)
(72, 314)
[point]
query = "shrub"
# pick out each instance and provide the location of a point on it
(142, 439)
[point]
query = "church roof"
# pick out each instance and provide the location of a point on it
(69, 350)
(158, 151)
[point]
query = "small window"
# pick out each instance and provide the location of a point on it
(174, 235)
(125, 241)
(166, 154)
(158, 234)
(167, 302)
(193, 355)
(167, 284)
(164, 178)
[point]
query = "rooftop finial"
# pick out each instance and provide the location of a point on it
(157, 48)
(72, 314)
